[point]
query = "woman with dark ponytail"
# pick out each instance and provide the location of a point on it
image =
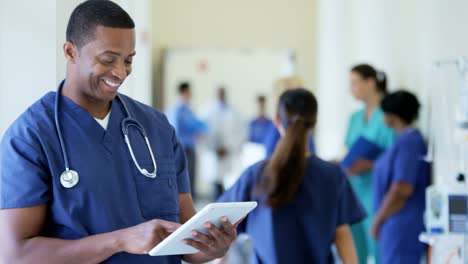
(366, 127)
(305, 203)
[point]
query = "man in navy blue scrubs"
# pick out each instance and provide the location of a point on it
(114, 212)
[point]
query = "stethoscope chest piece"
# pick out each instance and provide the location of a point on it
(69, 178)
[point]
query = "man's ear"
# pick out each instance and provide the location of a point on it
(70, 51)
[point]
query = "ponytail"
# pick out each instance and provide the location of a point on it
(284, 172)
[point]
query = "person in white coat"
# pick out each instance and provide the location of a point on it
(227, 131)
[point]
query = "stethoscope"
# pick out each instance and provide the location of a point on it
(69, 178)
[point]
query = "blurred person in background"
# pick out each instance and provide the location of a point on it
(368, 86)
(401, 176)
(261, 124)
(188, 128)
(227, 131)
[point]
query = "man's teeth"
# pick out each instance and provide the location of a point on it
(111, 83)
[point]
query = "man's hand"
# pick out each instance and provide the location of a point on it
(214, 245)
(21, 241)
(140, 239)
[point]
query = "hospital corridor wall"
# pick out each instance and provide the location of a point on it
(233, 25)
(28, 53)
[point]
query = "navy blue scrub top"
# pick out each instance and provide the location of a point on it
(403, 162)
(304, 230)
(111, 194)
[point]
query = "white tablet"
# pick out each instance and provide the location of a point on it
(173, 245)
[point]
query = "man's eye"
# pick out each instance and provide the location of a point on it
(107, 61)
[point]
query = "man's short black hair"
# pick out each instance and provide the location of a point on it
(402, 104)
(90, 14)
(184, 87)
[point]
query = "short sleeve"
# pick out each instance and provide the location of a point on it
(350, 210)
(24, 177)
(183, 180)
(241, 191)
(408, 160)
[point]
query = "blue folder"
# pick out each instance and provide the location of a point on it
(361, 149)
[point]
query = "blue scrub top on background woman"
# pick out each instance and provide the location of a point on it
(304, 203)
(404, 162)
(401, 178)
(304, 230)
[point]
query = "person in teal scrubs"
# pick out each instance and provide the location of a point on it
(368, 86)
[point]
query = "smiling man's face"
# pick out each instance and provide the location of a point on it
(104, 63)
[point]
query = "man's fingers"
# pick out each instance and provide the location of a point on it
(215, 232)
(228, 228)
(205, 239)
(198, 245)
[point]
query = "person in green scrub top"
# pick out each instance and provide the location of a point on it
(368, 86)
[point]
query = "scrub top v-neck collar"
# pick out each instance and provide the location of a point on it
(371, 115)
(105, 121)
(88, 123)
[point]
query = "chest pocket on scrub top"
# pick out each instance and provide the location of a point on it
(158, 197)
